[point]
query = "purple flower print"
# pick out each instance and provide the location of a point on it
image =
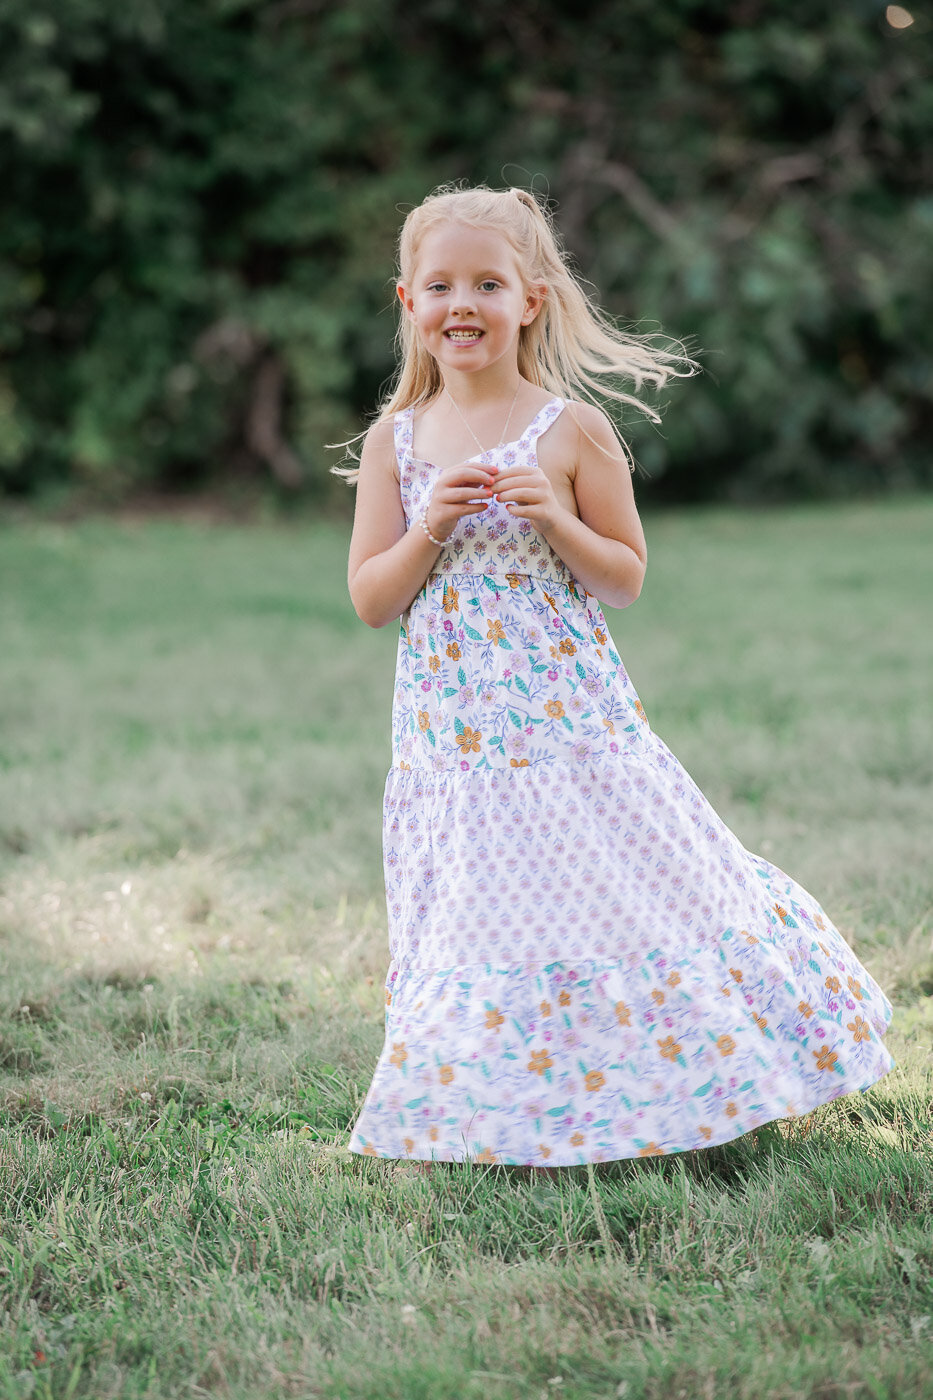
(448, 625)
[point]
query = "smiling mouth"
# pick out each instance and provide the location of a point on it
(463, 337)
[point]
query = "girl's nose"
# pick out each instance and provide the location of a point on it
(463, 304)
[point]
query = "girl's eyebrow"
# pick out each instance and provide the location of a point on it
(481, 277)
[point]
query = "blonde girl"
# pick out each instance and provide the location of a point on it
(585, 962)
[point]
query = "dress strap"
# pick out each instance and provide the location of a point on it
(404, 436)
(542, 421)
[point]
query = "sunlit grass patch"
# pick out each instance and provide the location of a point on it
(194, 741)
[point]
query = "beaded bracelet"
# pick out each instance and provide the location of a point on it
(422, 521)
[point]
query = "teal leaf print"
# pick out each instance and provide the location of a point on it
(515, 719)
(520, 685)
(490, 583)
(566, 723)
(541, 666)
(703, 1090)
(471, 632)
(448, 691)
(431, 738)
(581, 671)
(458, 724)
(559, 1112)
(496, 741)
(461, 676)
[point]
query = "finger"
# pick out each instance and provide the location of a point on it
(469, 473)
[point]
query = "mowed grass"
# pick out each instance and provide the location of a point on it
(193, 743)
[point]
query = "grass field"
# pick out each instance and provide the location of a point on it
(193, 746)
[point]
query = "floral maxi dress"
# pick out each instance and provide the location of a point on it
(586, 964)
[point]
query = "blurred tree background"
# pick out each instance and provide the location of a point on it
(201, 200)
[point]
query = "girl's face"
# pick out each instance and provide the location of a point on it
(469, 299)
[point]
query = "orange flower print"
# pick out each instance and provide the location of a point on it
(640, 711)
(600, 636)
(833, 984)
(494, 1019)
(545, 1008)
(451, 599)
(513, 580)
(435, 663)
(855, 988)
(819, 923)
(554, 708)
(424, 720)
(445, 1074)
(736, 973)
(469, 739)
(824, 949)
(725, 1045)
(669, 1048)
(651, 1149)
(674, 979)
(369, 1150)
(453, 651)
(567, 646)
(399, 1054)
(658, 996)
(518, 763)
(564, 997)
(550, 600)
(495, 632)
(388, 997)
(706, 1132)
(594, 1080)
(623, 1014)
(539, 1062)
(545, 1151)
(761, 1023)
(749, 937)
(781, 913)
(825, 1058)
(860, 1029)
(433, 1133)
(805, 1009)
(609, 725)
(487, 1156)
(409, 1145)
(731, 1110)
(577, 1140)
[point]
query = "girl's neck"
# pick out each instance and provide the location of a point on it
(477, 391)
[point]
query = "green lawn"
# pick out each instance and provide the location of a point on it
(193, 744)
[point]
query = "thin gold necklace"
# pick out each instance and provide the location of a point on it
(485, 450)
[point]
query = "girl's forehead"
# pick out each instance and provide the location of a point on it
(453, 246)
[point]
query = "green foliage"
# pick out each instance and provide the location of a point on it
(200, 204)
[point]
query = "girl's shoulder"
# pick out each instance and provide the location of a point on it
(379, 447)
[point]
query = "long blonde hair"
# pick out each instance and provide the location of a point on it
(571, 348)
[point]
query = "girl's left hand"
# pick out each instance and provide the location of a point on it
(527, 492)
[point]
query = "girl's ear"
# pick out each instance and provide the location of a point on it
(535, 297)
(405, 298)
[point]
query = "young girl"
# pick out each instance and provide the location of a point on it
(586, 963)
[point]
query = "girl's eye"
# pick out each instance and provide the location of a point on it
(437, 286)
(489, 286)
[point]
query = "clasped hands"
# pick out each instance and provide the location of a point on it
(470, 487)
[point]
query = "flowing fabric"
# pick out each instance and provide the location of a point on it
(586, 964)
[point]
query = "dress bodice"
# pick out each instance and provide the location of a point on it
(492, 543)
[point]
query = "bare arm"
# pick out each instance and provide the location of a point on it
(388, 561)
(604, 547)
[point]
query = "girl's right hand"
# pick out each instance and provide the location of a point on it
(462, 490)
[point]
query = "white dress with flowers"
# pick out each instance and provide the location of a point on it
(586, 963)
